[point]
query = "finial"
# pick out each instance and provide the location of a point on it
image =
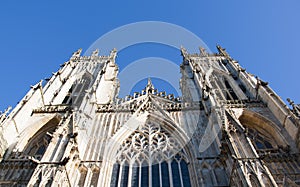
(41, 83)
(220, 48)
(95, 52)
(149, 81)
(76, 54)
(6, 111)
(149, 86)
(37, 85)
(4, 114)
(113, 53)
(203, 51)
(291, 102)
(222, 51)
(183, 51)
(296, 107)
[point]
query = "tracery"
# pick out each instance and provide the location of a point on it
(150, 156)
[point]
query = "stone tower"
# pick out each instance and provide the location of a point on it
(228, 128)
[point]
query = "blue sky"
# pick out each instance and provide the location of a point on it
(36, 36)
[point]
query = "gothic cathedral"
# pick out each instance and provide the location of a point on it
(228, 128)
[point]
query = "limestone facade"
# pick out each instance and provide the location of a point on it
(229, 128)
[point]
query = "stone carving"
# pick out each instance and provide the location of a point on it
(296, 107)
(205, 88)
(95, 53)
(149, 142)
(250, 136)
(76, 54)
(203, 52)
(52, 109)
(223, 52)
(4, 115)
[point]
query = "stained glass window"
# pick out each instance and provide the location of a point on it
(154, 158)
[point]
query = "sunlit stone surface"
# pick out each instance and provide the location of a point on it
(227, 129)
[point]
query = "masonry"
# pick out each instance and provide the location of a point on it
(228, 128)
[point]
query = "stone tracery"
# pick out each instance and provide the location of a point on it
(90, 114)
(150, 141)
(152, 149)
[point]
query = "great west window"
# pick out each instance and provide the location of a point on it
(150, 156)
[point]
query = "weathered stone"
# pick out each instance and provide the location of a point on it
(227, 129)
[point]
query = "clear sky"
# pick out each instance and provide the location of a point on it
(37, 36)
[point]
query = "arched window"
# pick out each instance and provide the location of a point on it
(259, 140)
(115, 175)
(77, 91)
(224, 90)
(230, 94)
(150, 157)
(263, 133)
(38, 146)
(39, 142)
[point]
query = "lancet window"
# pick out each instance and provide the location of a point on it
(230, 94)
(77, 91)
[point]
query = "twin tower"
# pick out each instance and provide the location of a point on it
(228, 128)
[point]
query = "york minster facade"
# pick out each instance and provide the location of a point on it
(228, 128)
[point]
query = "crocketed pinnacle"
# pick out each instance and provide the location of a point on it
(149, 86)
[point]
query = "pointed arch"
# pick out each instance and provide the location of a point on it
(76, 92)
(264, 127)
(125, 131)
(227, 84)
(37, 130)
(161, 144)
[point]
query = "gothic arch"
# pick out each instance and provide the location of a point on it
(264, 126)
(38, 128)
(172, 128)
(226, 82)
(84, 74)
(182, 155)
(76, 90)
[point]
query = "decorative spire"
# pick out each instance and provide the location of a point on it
(149, 86)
